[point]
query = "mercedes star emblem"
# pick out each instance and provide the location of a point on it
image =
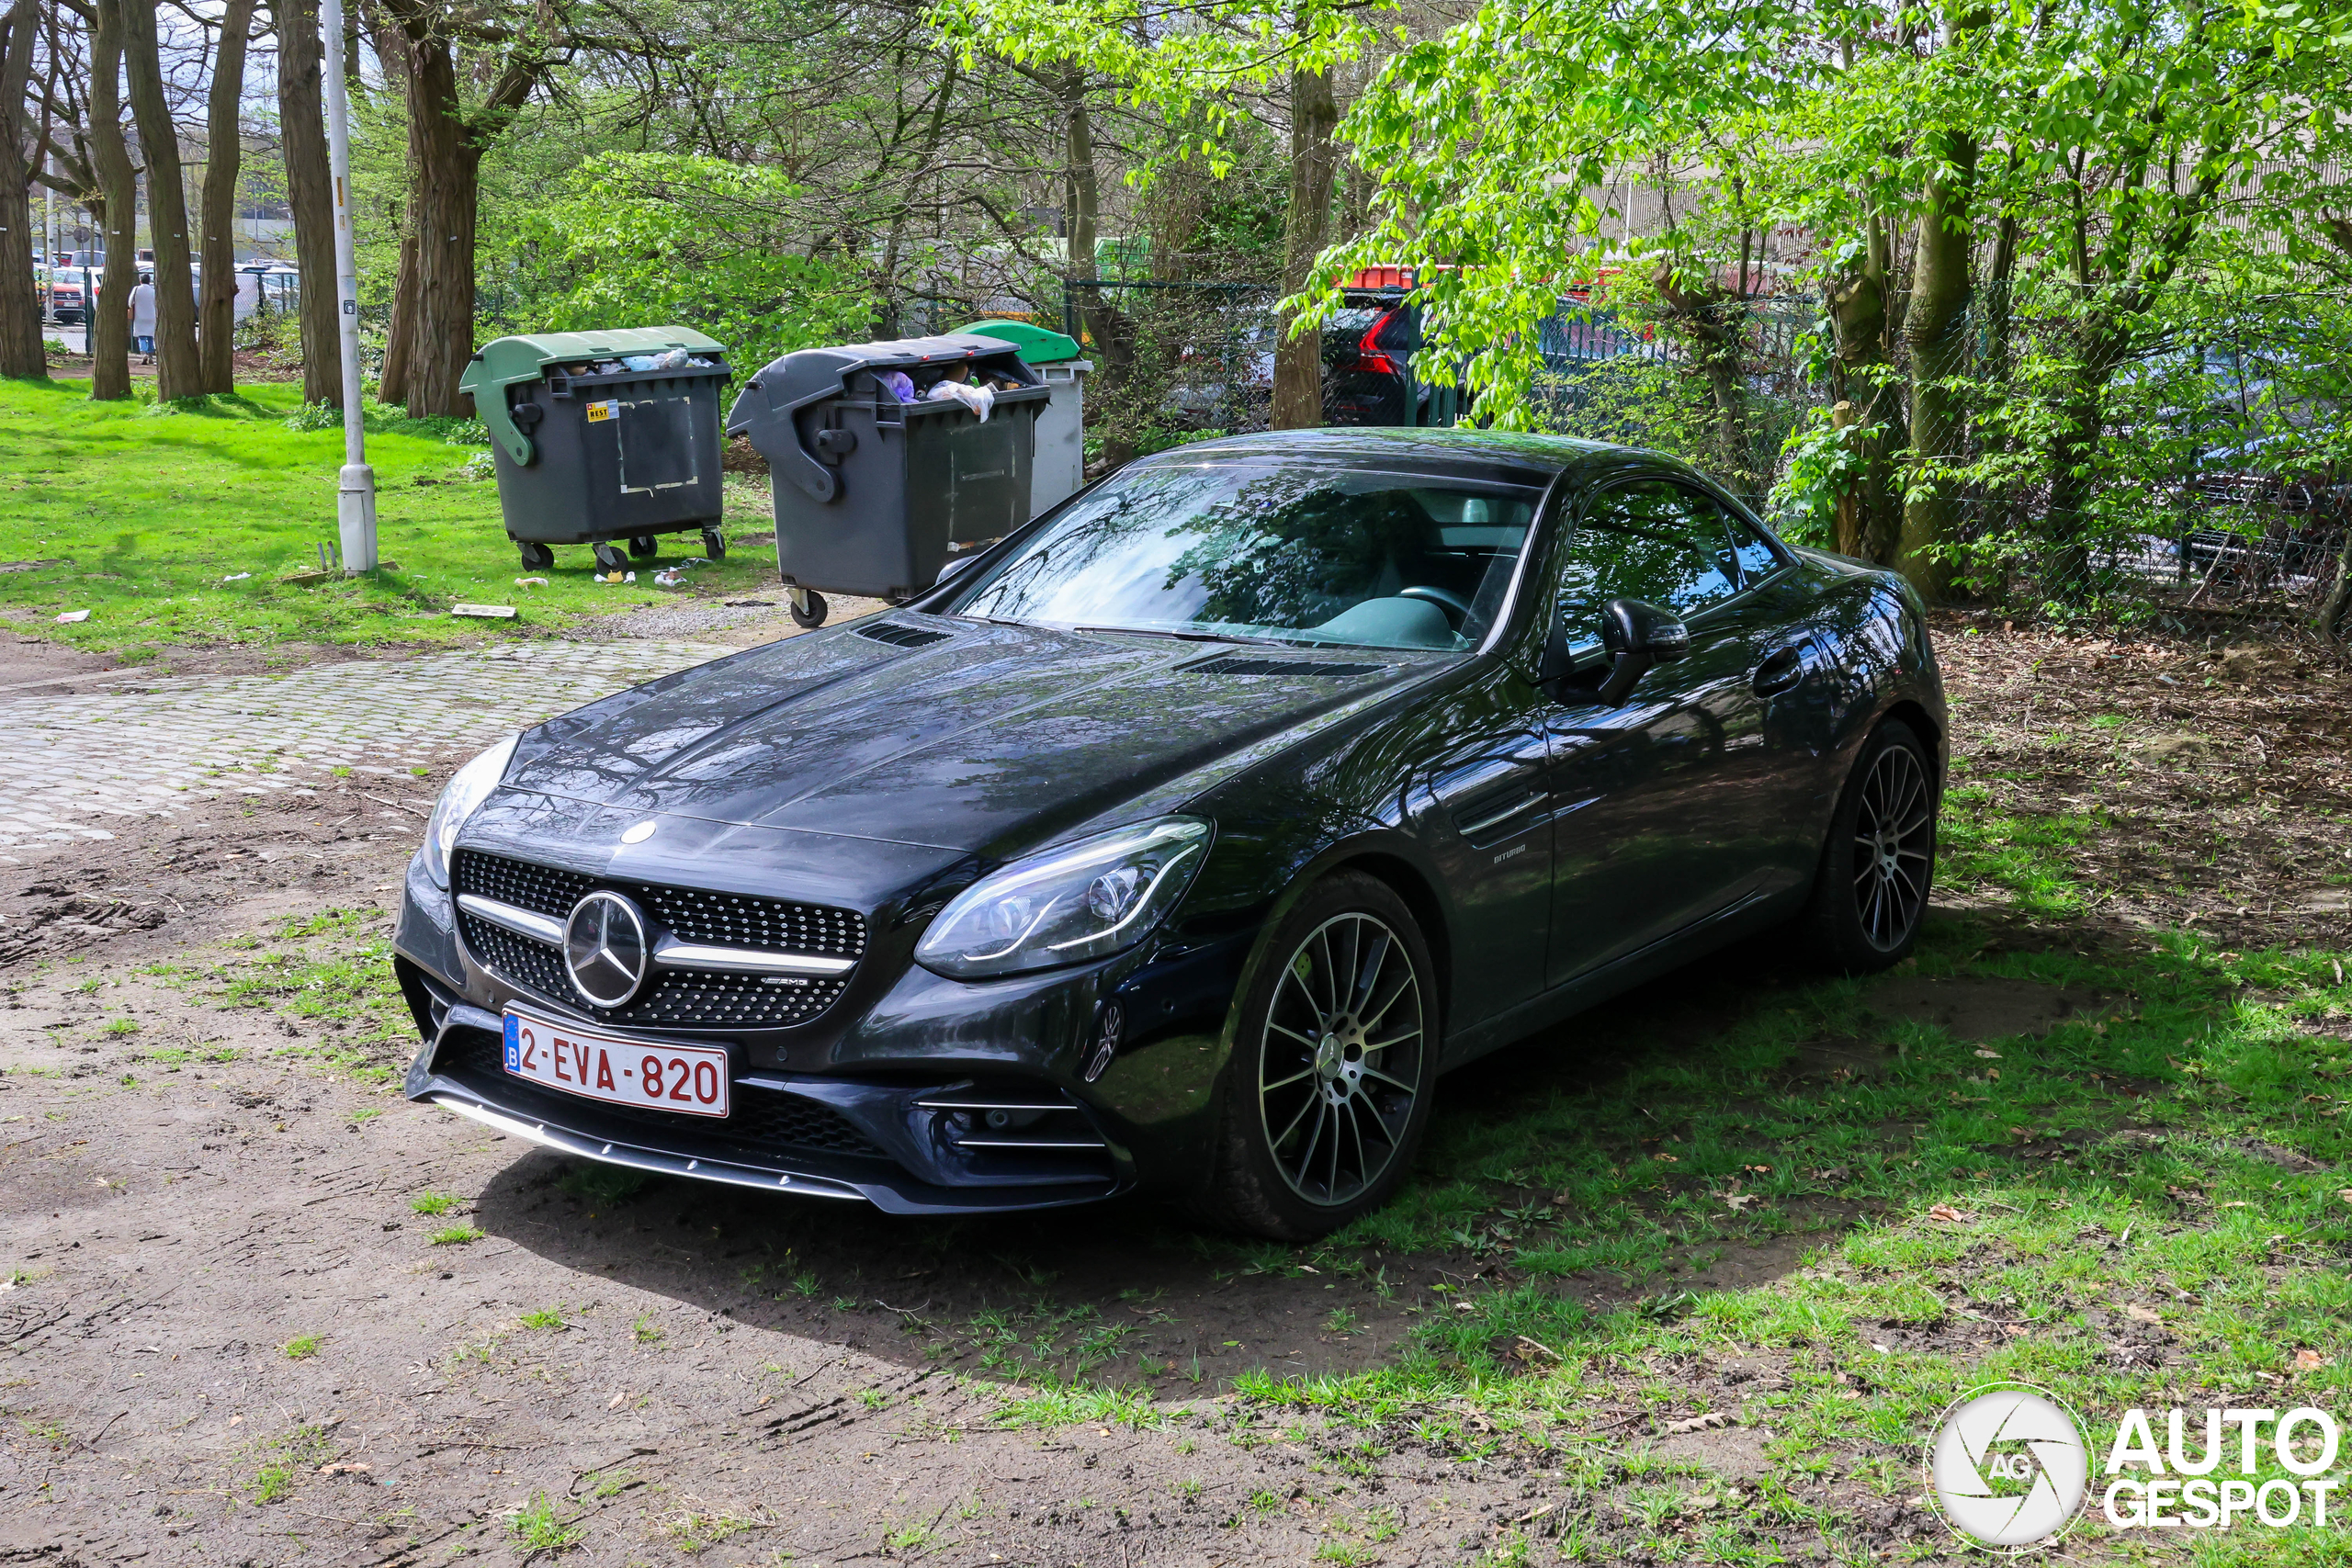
(604, 948)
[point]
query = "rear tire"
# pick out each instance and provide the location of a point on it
(539, 557)
(1335, 1047)
(642, 545)
(713, 545)
(813, 615)
(609, 559)
(1870, 893)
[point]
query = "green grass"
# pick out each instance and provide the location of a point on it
(301, 1348)
(545, 1317)
(455, 1235)
(536, 1528)
(150, 509)
(333, 971)
(273, 1482)
(434, 1202)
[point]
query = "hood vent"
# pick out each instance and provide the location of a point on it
(1230, 665)
(899, 635)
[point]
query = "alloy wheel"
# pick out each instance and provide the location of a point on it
(1340, 1059)
(1893, 836)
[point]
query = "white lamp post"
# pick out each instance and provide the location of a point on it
(355, 498)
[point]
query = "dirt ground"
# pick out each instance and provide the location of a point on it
(234, 1335)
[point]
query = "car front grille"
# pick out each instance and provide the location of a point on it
(762, 1119)
(673, 998)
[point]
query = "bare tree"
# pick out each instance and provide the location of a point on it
(20, 340)
(446, 140)
(109, 330)
(217, 312)
(309, 192)
(1306, 229)
(177, 374)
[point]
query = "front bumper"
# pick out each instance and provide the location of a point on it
(932, 1099)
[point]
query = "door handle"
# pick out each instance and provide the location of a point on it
(1782, 670)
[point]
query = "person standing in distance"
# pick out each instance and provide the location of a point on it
(142, 318)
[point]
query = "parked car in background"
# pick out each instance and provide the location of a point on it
(70, 289)
(1225, 384)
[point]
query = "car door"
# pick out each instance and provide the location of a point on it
(1484, 808)
(1659, 806)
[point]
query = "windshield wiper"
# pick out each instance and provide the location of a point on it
(1187, 637)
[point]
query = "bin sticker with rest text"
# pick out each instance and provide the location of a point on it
(608, 408)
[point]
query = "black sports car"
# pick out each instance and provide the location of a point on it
(1179, 841)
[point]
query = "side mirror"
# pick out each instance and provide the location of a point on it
(1637, 635)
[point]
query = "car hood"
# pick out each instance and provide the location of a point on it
(959, 735)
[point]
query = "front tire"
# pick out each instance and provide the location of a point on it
(1870, 893)
(1335, 1050)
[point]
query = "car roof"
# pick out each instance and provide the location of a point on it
(1519, 457)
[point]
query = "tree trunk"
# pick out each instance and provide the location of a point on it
(2334, 623)
(309, 192)
(446, 166)
(216, 326)
(1865, 401)
(109, 329)
(1936, 329)
(178, 375)
(1109, 334)
(2073, 452)
(399, 333)
(20, 341)
(1306, 229)
(1709, 321)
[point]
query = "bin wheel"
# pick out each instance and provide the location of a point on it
(714, 544)
(609, 558)
(809, 607)
(642, 545)
(539, 557)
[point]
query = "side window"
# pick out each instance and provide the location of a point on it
(1651, 540)
(1755, 557)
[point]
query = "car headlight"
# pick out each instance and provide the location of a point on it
(1084, 901)
(468, 787)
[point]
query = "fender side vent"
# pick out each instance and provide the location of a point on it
(1228, 665)
(899, 635)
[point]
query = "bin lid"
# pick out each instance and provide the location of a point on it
(1038, 346)
(509, 361)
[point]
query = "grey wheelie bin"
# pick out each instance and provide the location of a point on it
(1060, 466)
(876, 474)
(604, 436)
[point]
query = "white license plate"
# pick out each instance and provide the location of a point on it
(689, 1079)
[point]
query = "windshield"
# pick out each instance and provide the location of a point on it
(1304, 554)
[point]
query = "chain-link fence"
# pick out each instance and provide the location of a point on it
(2208, 493)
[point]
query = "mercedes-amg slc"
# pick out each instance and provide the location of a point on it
(1178, 842)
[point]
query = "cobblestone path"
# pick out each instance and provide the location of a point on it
(68, 763)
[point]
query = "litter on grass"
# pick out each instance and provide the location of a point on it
(236, 577)
(531, 582)
(484, 611)
(70, 615)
